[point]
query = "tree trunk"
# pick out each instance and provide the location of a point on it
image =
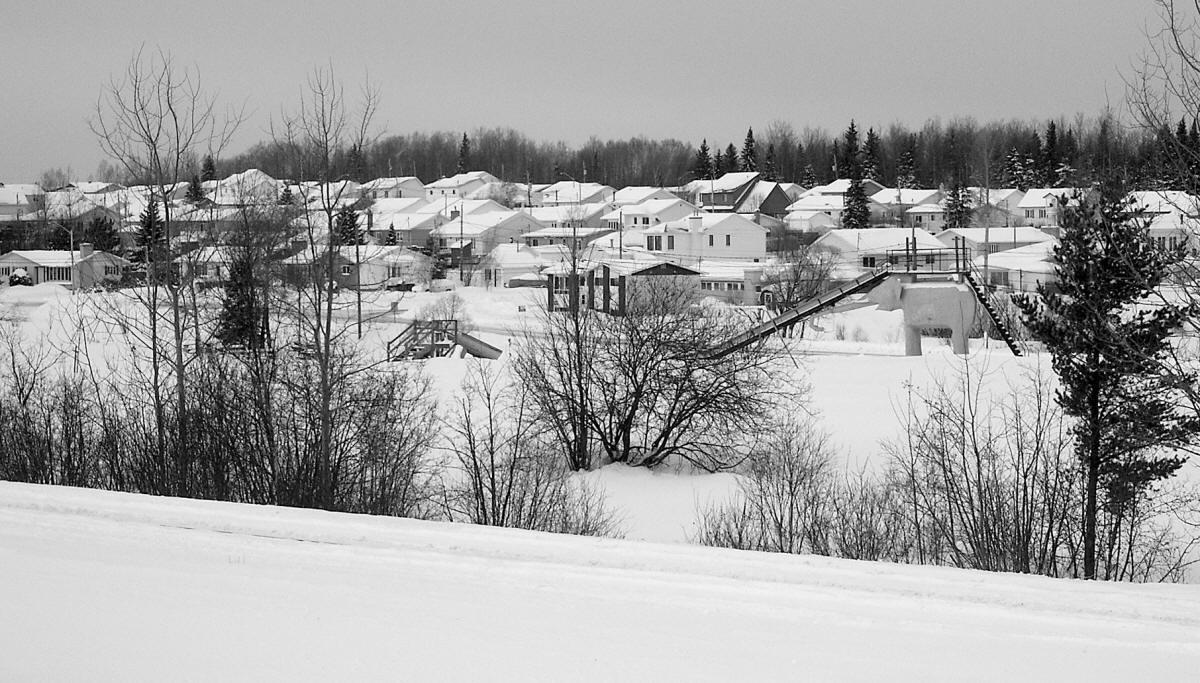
(1093, 478)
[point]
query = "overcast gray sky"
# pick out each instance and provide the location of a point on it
(566, 71)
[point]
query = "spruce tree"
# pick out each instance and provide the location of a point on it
(749, 152)
(151, 235)
(809, 178)
(464, 155)
(702, 167)
(906, 170)
(856, 213)
(732, 165)
(958, 207)
(102, 234)
(286, 198)
(346, 227)
(243, 315)
(848, 153)
(770, 171)
(1110, 354)
(870, 156)
(208, 170)
(392, 238)
(1049, 156)
(195, 194)
(719, 165)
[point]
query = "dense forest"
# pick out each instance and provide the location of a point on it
(999, 153)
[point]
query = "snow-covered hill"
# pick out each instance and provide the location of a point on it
(107, 586)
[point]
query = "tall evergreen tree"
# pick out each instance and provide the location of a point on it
(770, 170)
(1110, 356)
(346, 226)
(871, 156)
(958, 207)
(356, 162)
(1050, 156)
(208, 169)
(286, 198)
(392, 238)
(732, 164)
(809, 178)
(151, 235)
(749, 160)
(242, 321)
(906, 170)
(719, 165)
(464, 155)
(702, 166)
(848, 154)
(195, 194)
(102, 234)
(856, 212)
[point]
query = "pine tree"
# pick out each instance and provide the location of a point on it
(958, 207)
(719, 167)
(848, 153)
(809, 178)
(770, 171)
(392, 238)
(1109, 357)
(1049, 160)
(208, 170)
(151, 234)
(870, 156)
(1014, 172)
(286, 198)
(346, 226)
(464, 155)
(243, 315)
(906, 170)
(732, 165)
(702, 167)
(856, 213)
(102, 234)
(749, 152)
(195, 194)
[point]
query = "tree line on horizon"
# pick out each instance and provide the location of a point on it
(1023, 154)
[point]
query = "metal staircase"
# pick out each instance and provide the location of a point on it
(985, 298)
(424, 339)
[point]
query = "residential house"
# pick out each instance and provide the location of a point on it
(459, 185)
(980, 241)
(251, 186)
(519, 265)
(724, 194)
(1161, 202)
(895, 203)
(639, 194)
(574, 192)
(721, 236)
(996, 207)
(571, 215)
(470, 236)
(859, 251)
(764, 198)
(406, 187)
(81, 269)
(407, 216)
(1040, 206)
(928, 217)
(648, 213)
(1021, 269)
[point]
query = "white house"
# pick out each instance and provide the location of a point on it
(648, 213)
(1023, 268)
(928, 217)
(896, 202)
(722, 236)
(991, 240)
(83, 268)
(394, 188)
(479, 233)
(459, 185)
(248, 187)
(1161, 202)
(516, 264)
(1040, 205)
(638, 194)
(572, 192)
(567, 215)
(862, 250)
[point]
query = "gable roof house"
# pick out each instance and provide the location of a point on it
(980, 241)
(895, 203)
(394, 188)
(251, 186)
(648, 213)
(722, 236)
(1039, 206)
(611, 284)
(519, 265)
(573, 192)
(724, 194)
(472, 235)
(638, 194)
(859, 251)
(459, 185)
(405, 215)
(81, 269)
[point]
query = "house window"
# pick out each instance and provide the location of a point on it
(645, 220)
(727, 238)
(868, 261)
(919, 219)
(710, 240)
(201, 269)
(670, 241)
(58, 274)
(345, 270)
(1041, 213)
(533, 242)
(1029, 213)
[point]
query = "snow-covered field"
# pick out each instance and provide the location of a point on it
(108, 586)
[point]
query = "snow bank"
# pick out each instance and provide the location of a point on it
(108, 586)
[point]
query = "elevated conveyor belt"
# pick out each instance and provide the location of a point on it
(801, 311)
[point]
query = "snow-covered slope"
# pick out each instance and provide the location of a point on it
(106, 586)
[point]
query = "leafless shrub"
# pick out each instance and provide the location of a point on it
(505, 472)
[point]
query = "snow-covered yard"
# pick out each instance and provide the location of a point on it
(110, 586)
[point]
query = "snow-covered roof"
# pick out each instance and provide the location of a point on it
(567, 212)
(1006, 197)
(1165, 201)
(1043, 197)
(461, 179)
(473, 225)
(1033, 258)
(390, 183)
(905, 196)
(726, 183)
(516, 255)
(875, 240)
(52, 258)
(997, 235)
(639, 194)
(707, 221)
(95, 186)
(567, 232)
(818, 202)
(567, 191)
(927, 209)
(652, 207)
